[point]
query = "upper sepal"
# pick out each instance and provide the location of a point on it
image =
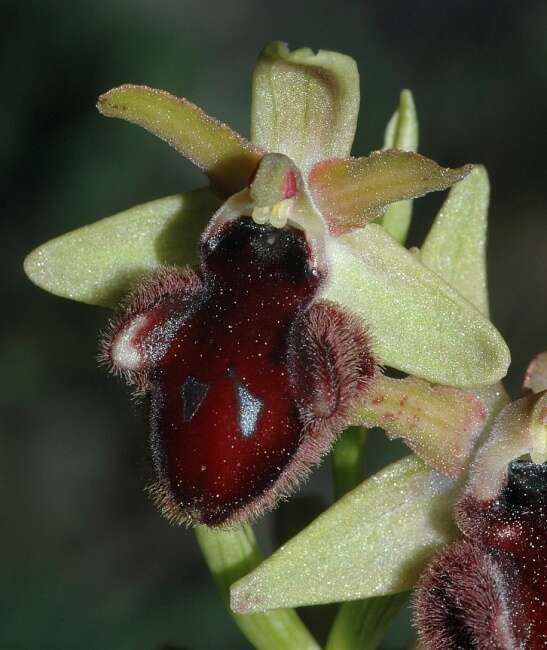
(304, 105)
(402, 129)
(227, 158)
(350, 193)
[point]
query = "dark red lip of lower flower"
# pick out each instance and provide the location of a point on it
(496, 578)
(249, 377)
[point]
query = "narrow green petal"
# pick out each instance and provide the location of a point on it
(440, 423)
(99, 263)
(232, 553)
(305, 105)
(401, 133)
(372, 542)
(228, 159)
(455, 247)
(350, 193)
(418, 323)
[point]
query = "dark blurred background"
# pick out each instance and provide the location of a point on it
(87, 563)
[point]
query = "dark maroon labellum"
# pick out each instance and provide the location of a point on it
(490, 590)
(248, 377)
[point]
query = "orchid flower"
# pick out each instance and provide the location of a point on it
(295, 175)
(295, 246)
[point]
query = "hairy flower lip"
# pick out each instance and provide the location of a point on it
(231, 429)
(491, 587)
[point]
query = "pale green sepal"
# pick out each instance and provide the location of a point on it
(230, 554)
(455, 247)
(228, 159)
(362, 624)
(99, 263)
(372, 542)
(417, 322)
(401, 133)
(304, 105)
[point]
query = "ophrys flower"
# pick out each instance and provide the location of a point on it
(326, 298)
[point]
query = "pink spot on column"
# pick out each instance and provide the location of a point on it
(289, 187)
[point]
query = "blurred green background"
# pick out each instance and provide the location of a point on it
(87, 563)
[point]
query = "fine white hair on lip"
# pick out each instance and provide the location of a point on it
(124, 352)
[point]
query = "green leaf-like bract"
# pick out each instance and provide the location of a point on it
(374, 541)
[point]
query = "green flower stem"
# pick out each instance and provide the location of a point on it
(361, 624)
(347, 460)
(231, 554)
